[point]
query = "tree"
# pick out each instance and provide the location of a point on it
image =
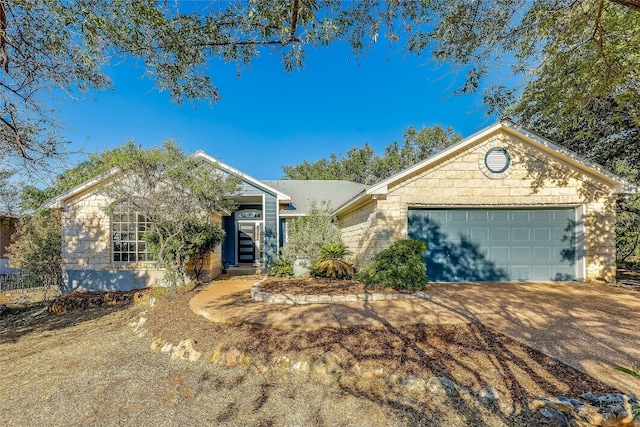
(50, 49)
(364, 166)
(36, 249)
(178, 195)
(308, 234)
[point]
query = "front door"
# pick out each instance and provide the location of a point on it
(247, 247)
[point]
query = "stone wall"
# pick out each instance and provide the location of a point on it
(534, 179)
(86, 251)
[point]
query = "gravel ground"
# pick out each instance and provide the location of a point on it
(89, 367)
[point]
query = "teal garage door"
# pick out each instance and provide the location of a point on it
(486, 245)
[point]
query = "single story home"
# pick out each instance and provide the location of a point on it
(501, 205)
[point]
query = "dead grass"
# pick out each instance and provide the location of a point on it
(87, 367)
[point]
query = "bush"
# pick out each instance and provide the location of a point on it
(37, 249)
(308, 234)
(282, 267)
(399, 267)
(331, 263)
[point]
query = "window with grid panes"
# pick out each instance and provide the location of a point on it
(127, 230)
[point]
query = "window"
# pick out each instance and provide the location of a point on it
(497, 160)
(127, 230)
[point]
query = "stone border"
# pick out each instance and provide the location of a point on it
(295, 299)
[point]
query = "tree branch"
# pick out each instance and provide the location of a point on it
(627, 208)
(4, 59)
(632, 4)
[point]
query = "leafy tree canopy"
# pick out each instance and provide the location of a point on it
(362, 165)
(50, 48)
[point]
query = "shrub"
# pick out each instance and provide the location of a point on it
(308, 234)
(37, 249)
(282, 267)
(401, 266)
(331, 263)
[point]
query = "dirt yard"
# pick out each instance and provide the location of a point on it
(91, 367)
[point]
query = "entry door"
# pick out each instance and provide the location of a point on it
(247, 247)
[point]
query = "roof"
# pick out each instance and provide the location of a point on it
(304, 192)
(619, 185)
(59, 201)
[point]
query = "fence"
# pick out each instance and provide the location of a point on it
(14, 281)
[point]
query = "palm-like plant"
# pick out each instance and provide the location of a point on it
(331, 263)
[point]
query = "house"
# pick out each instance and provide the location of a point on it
(501, 205)
(107, 252)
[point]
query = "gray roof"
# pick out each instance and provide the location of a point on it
(304, 192)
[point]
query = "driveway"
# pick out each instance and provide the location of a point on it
(591, 327)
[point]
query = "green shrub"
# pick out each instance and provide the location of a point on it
(399, 267)
(331, 263)
(282, 267)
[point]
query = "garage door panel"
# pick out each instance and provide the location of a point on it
(541, 234)
(496, 244)
(521, 253)
(522, 216)
(520, 234)
(499, 234)
(541, 216)
(499, 253)
(542, 254)
(521, 273)
(500, 216)
(478, 216)
(479, 234)
(454, 216)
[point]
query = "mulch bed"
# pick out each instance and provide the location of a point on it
(320, 286)
(83, 300)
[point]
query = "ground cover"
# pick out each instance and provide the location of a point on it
(88, 366)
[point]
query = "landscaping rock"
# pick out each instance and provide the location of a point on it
(441, 387)
(329, 364)
(141, 322)
(185, 351)
(282, 363)
(413, 383)
(157, 344)
(301, 366)
(605, 409)
(376, 373)
(554, 418)
(489, 394)
(231, 357)
(167, 348)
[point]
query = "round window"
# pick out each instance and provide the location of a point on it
(497, 160)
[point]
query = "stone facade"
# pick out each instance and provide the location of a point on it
(535, 178)
(86, 251)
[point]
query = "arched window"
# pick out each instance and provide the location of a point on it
(127, 230)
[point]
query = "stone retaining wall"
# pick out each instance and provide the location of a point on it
(292, 299)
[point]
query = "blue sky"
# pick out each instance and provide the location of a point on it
(269, 118)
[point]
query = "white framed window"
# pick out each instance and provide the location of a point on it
(127, 229)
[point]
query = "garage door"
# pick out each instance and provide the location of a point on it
(496, 244)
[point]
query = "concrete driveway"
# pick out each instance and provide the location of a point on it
(591, 327)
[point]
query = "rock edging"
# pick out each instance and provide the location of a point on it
(295, 299)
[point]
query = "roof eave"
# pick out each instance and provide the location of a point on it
(279, 194)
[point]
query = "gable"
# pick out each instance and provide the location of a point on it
(536, 166)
